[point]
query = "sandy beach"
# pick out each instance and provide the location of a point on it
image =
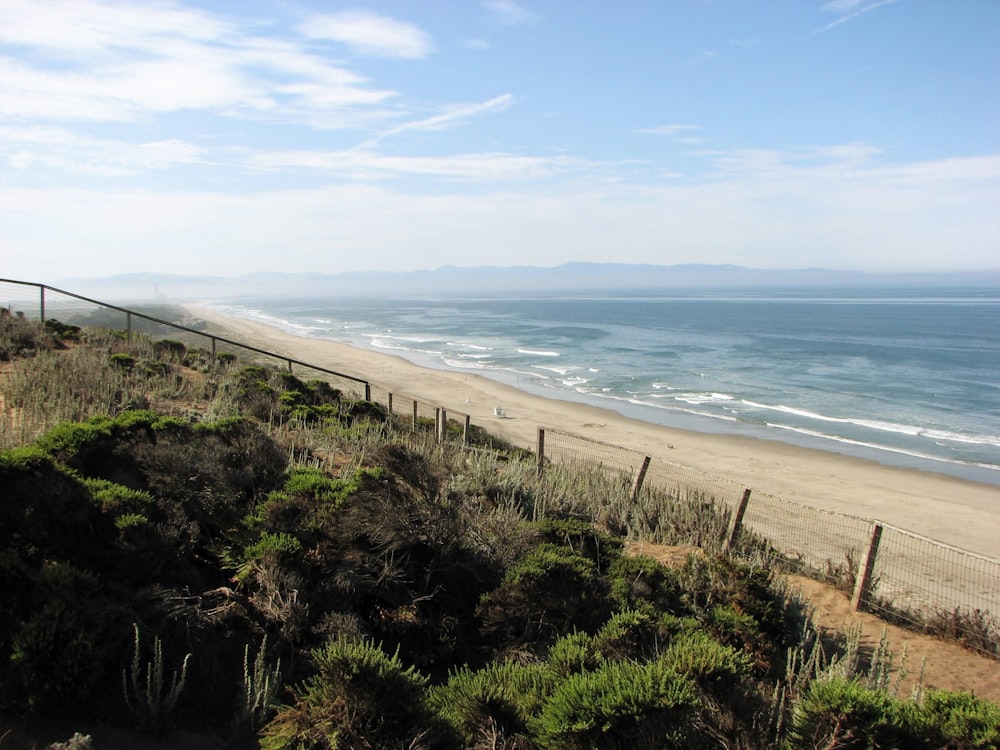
(949, 510)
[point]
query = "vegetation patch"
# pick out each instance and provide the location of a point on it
(240, 552)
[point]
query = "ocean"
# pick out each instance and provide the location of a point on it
(907, 377)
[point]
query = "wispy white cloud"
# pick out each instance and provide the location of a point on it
(370, 34)
(494, 168)
(668, 130)
(48, 148)
(509, 13)
(451, 117)
(95, 61)
(843, 6)
(853, 9)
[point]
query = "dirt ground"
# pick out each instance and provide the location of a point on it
(946, 665)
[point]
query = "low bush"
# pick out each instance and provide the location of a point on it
(358, 696)
(620, 705)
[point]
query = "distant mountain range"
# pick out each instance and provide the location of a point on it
(497, 280)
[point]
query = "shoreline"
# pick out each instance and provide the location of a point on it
(948, 509)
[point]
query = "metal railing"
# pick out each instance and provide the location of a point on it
(69, 307)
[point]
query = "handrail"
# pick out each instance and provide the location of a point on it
(179, 327)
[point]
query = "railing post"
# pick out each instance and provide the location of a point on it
(389, 399)
(414, 414)
(442, 423)
(289, 367)
(128, 326)
(640, 478)
(213, 350)
(541, 451)
(368, 391)
(41, 290)
(863, 585)
(465, 430)
(737, 523)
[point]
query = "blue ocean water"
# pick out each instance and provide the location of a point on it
(908, 377)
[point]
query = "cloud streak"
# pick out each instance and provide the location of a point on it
(370, 34)
(130, 61)
(848, 6)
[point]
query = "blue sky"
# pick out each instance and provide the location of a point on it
(234, 137)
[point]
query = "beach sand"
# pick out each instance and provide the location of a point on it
(943, 508)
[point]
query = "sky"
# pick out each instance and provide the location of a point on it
(226, 138)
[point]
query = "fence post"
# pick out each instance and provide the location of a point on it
(737, 523)
(213, 351)
(368, 391)
(41, 290)
(640, 478)
(289, 367)
(541, 450)
(414, 414)
(863, 585)
(465, 430)
(442, 424)
(389, 399)
(128, 326)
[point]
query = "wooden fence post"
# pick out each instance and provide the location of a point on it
(640, 478)
(465, 430)
(863, 585)
(368, 391)
(442, 424)
(414, 414)
(541, 451)
(128, 326)
(390, 402)
(737, 522)
(41, 290)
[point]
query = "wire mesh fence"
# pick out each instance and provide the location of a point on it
(913, 580)
(916, 580)
(564, 447)
(828, 543)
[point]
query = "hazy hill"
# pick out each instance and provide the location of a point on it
(499, 280)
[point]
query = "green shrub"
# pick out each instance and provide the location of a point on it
(116, 498)
(573, 653)
(713, 666)
(645, 584)
(53, 655)
(549, 592)
(358, 697)
(122, 361)
(956, 720)
(583, 539)
(619, 705)
(130, 521)
(630, 634)
(740, 631)
(275, 550)
(496, 701)
(70, 438)
(845, 714)
(170, 348)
